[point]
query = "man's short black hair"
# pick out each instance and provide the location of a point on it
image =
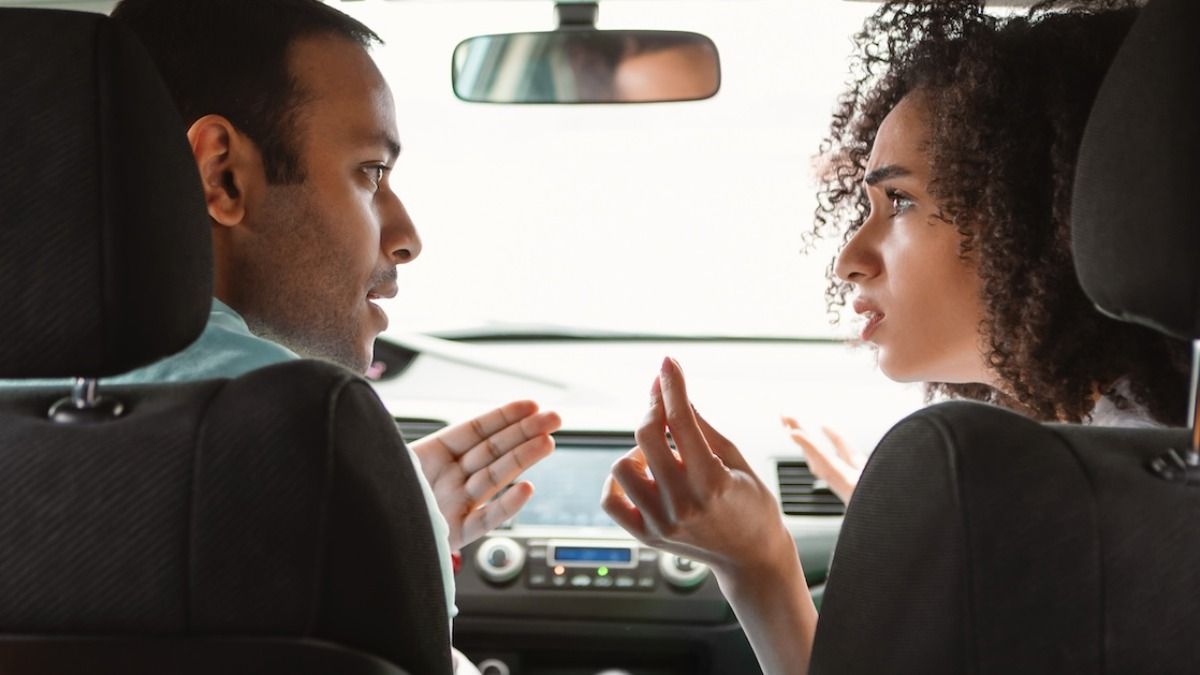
(230, 58)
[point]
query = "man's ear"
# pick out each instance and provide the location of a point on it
(229, 164)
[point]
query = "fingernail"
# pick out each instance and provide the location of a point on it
(666, 365)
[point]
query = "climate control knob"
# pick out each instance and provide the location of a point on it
(499, 559)
(681, 572)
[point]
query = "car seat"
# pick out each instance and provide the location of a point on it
(268, 523)
(979, 541)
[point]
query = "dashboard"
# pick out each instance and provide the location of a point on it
(575, 594)
(560, 589)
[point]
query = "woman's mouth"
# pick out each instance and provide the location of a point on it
(873, 319)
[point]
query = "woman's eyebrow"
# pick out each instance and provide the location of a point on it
(884, 173)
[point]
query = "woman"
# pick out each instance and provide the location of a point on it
(1049, 353)
(949, 171)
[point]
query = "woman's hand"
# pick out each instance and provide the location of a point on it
(702, 500)
(830, 458)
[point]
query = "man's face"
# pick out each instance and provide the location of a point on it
(316, 254)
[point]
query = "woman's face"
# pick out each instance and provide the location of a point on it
(919, 297)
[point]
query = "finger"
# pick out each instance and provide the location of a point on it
(462, 437)
(689, 440)
(503, 441)
(820, 461)
(642, 491)
(722, 447)
(826, 467)
(493, 514)
(848, 455)
(621, 510)
(651, 439)
(789, 422)
(482, 484)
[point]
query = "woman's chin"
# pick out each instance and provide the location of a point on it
(895, 369)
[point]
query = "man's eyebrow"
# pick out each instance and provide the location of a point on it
(393, 146)
(386, 140)
(883, 173)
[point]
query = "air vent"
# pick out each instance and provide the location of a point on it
(412, 429)
(800, 496)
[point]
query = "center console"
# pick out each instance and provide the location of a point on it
(563, 590)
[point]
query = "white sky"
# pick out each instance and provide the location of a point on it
(681, 217)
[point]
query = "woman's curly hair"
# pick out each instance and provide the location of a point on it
(1007, 99)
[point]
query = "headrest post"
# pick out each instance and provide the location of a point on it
(84, 393)
(85, 406)
(1194, 404)
(1184, 466)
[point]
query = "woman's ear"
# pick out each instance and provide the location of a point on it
(229, 164)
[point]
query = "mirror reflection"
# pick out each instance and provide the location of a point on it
(586, 66)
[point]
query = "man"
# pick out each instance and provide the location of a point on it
(293, 130)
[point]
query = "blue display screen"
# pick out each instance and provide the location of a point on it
(590, 554)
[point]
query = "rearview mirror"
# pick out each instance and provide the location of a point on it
(586, 66)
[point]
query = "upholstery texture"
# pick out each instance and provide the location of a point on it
(979, 541)
(1136, 231)
(107, 254)
(266, 505)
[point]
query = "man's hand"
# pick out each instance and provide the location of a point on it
(834, 461)
(468, 463)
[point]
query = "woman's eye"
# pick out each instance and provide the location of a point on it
(900, 202)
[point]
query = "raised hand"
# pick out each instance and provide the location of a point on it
(831, 458)
(468, 463)
(702, 500)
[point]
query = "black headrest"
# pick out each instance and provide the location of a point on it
(1135, 223)
(105, 249)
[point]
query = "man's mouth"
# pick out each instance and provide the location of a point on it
(382, 292)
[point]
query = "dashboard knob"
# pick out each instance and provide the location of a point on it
(499, 559)
(681, 572)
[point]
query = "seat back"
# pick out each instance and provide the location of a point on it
(278, 508)
(979, 541)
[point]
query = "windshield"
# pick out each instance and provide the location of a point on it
(675, 218)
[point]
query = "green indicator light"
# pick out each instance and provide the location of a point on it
(602, 571)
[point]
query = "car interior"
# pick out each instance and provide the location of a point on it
(271, 522)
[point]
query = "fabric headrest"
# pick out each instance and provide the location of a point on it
(1136, 228)
(105, 243)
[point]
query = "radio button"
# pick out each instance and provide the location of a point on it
(558, 582)
(602, 582)
(646, 583)
(625, 582)
(539, 580)
(682, 572)
(581, 581)
(499, 559)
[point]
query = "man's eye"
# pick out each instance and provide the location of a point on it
(376, 173)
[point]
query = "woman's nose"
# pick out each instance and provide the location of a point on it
(859, 259)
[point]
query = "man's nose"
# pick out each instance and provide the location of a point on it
(399, 236)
